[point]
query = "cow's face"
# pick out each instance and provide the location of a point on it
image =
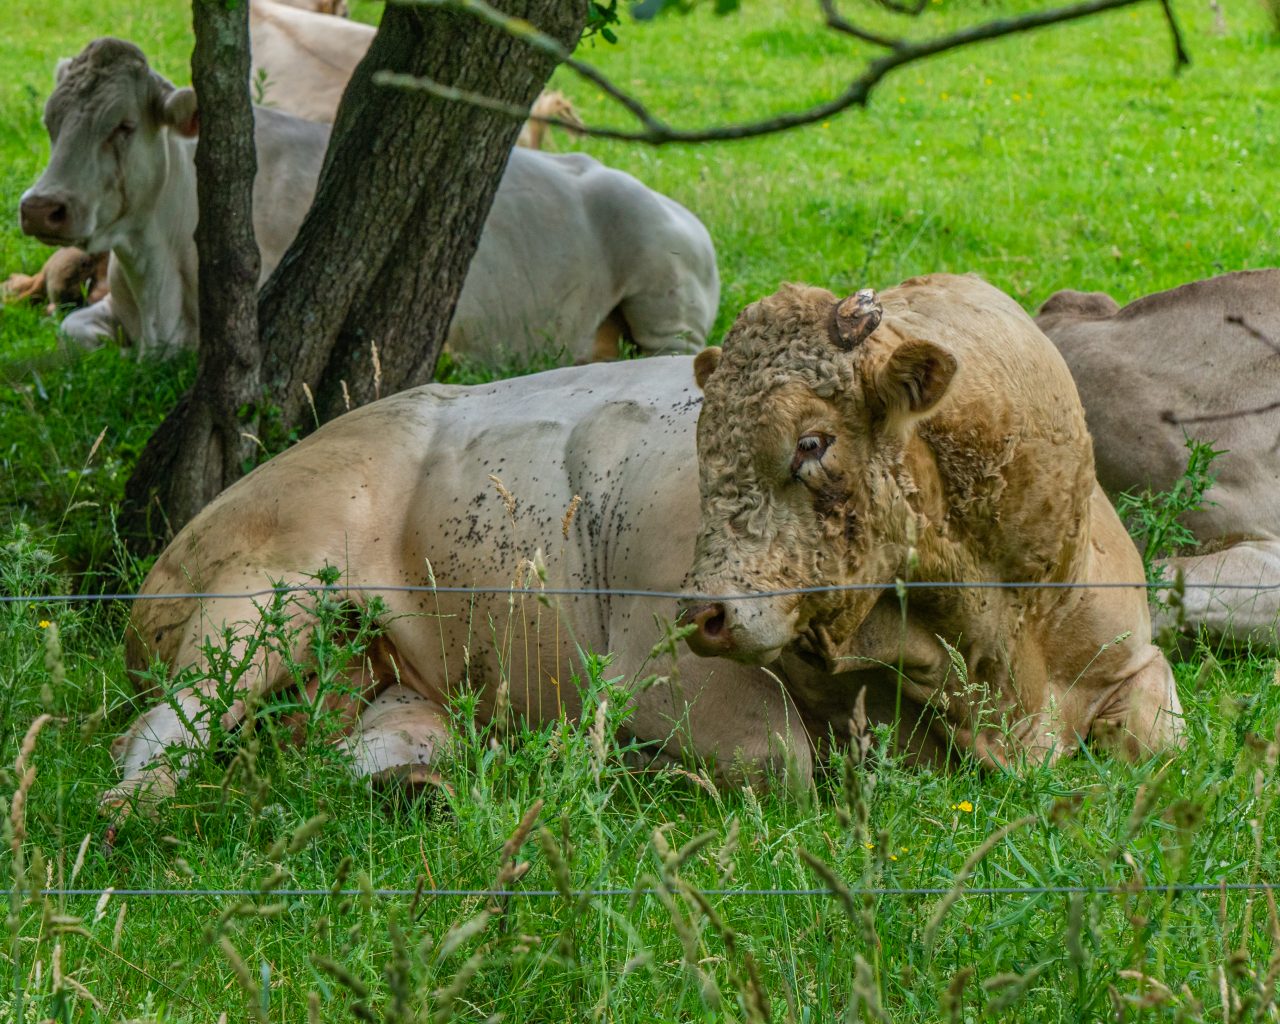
(801, 440)
(106, 120)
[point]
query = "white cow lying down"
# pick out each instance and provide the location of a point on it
(572, 251)
(1177, 352)
(406, 491)
(303, 60)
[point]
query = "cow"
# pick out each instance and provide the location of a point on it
(586, 471)
(303, 60)
(933, 435)
(1205, 349)
(573, 254)
(587, 478)
(70, 277)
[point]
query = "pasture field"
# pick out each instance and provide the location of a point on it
(1070, 158)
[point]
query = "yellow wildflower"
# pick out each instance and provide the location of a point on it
(45, 623)
(964, 805)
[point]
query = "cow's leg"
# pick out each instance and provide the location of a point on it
(91, 326)
(182, 718)
(397, 737)
(1143, 714)
(1235, 617)
(23, 287)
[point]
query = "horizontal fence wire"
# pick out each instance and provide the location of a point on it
(671, 595)
(1112, 889)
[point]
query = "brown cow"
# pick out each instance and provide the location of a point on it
(934, 437)
(70, 277)
(1206, 348)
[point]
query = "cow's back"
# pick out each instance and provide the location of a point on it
(1174, 352)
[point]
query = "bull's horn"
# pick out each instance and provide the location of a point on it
(854, 319)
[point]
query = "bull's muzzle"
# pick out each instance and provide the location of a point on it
(48, 217)
(711, 636)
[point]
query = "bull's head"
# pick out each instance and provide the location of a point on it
(807, 415)
(106, 118)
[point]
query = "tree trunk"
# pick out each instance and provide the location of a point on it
(381, 257)
(405, 190)
(203, 444)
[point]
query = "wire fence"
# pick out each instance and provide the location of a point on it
(1187, 888)
(669, 595)
(1106, 889)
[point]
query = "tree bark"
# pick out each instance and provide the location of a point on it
(380, 259)
(203, 444)
(405, 190)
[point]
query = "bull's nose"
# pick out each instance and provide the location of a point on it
(711, 637)
(44, 216)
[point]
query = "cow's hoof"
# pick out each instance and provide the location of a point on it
(413, 780)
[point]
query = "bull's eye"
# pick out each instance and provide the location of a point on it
(810, 448)
(123, 130)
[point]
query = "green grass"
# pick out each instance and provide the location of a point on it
(1072, 158)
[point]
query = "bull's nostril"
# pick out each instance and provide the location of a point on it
(57, 215)
(714, 626)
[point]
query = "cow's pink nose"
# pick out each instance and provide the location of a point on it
(711, 637)
(43, 216)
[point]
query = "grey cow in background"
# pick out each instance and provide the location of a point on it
(1206, 349)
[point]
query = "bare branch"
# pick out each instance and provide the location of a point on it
(1180, 56)
(911, 9)
(656, 132)
(838, 23)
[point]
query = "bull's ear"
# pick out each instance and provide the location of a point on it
(60, 70)
(181, 112)
(705, 363)
(914, 379)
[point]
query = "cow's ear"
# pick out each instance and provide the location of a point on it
(705, 363)
(914, 379)
(181, 112)
(60, 70)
